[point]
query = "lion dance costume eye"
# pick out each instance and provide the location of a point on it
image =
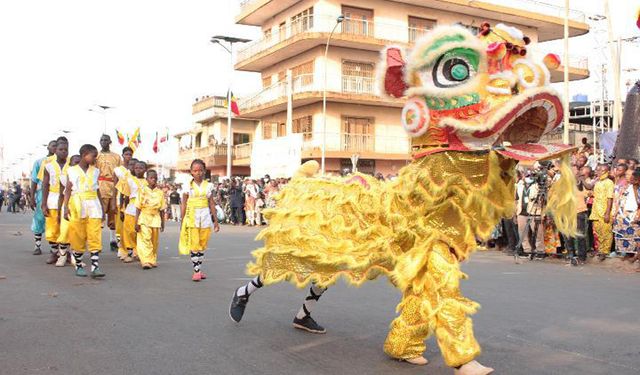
(476, 106)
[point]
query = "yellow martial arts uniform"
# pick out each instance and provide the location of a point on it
(128, 231)
(106, 162)
(602, 192)
(151, 204)
(197, 223)
(52, 224)
(85, 210)
(122, 188)
(63, 238)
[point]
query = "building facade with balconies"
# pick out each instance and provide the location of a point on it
(290, 58)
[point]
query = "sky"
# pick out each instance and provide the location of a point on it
(150, 60)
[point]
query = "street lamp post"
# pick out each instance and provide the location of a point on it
(324, 95)
(231, 40)
(103, 111)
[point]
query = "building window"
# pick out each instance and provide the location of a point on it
(282, 129)
(304, 125)
(266, 81)
(267, 130)
(282, 32)
(418, 27)
(198, 140)
(475, 30)
(302, 75)
(357, 134)
(357, 21)
(282, 76)
(241, 138)
(366, 166)
(358, 77)
(302, 21)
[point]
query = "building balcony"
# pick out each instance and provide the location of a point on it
(546, 18)
(305, 90)
(312, 31)
(578, 69)
(342, 145)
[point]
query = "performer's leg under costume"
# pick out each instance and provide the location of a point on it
(83, 234)
(439, 307)
(130, 234)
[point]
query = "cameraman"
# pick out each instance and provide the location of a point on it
(529, 210)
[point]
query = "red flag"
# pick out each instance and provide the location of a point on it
(165, 138)
(234, 105)
(120, 137)
(155, 144)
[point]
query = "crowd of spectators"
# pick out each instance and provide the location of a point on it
(607, 211)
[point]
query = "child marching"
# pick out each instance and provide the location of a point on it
(50, 174)
(63, 239)
(121, 173)
(83, 208)
(135, 182)
(150, 208)
(198, 218)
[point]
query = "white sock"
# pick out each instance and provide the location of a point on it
(310, 301)
(251, 287)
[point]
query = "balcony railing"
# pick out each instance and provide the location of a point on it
(242, 151)
(306, 83)
(347, 142)
(359, 85)
(203, 152)
(531, 5)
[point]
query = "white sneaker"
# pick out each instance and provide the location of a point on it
(62, 260)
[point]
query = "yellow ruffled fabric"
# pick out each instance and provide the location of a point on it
(360, 228)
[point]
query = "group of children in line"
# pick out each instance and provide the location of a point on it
(80, 192)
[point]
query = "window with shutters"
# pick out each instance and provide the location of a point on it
(357, 21)
(282, 76)
(267, 130)
(303, 74)
(473, 29)
(302, 21)
(282, 129)
(241, 138)
(266, 81)
(357, 134)
(418, 27)
(358, 77)
(267, 35)
(304, 125)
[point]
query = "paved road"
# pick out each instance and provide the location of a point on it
(537, 318)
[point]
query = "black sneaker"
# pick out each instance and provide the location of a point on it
(37, 251)
(308, 324)
(114, 246)
(238, 304)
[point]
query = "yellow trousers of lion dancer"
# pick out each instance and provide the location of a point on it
(129, 233)
(603, 233)
(438, 308)
(120, 234)
(52, 226)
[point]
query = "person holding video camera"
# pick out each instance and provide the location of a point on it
(529, 206)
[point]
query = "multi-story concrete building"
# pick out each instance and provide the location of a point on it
(290, 58)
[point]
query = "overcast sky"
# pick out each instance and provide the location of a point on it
(149, 60)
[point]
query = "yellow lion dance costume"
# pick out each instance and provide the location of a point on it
(476, 105)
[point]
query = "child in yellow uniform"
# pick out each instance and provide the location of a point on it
(198, 217)
(135, 182)
(121, 173)
(83, 209)
(49, 174)
(63, 239)
(150, 207)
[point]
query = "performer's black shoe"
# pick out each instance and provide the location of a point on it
(37, 251)
(308, 324)
(238, 304)
(114, 246)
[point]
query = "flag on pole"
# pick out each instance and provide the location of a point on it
(165, 138)
(155, 144)
(234, 105)
(120, 137)
(134, 142)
